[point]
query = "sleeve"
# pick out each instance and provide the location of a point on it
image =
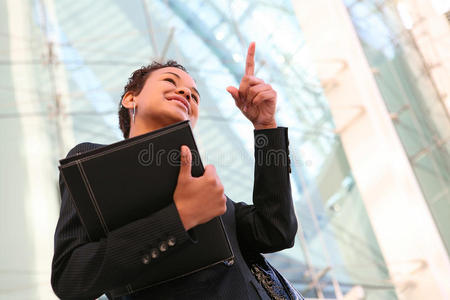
(85, 270)
(269, 224)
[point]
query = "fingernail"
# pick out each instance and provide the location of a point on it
(183, 155)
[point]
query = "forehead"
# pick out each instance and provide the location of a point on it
(185, 77)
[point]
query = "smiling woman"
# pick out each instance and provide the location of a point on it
(156, 96)
(146, 94)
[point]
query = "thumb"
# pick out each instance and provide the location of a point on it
(234, 92)
(186, 159)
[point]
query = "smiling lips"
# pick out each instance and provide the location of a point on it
(180, 99)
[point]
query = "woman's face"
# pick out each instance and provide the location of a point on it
(168, 96)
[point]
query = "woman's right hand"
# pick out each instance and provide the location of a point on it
(198, 199)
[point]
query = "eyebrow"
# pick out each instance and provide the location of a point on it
(178, 76)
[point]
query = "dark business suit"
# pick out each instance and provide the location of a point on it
(85, 270)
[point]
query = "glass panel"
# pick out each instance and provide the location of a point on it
(418, 113)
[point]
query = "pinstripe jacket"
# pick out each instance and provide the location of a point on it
(85, 270)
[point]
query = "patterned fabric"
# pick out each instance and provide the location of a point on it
(272, 281)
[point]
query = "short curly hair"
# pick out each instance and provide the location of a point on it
(135, 84)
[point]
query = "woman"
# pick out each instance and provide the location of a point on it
(156, 96)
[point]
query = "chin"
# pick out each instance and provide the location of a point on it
(175, 117)
(166, 117)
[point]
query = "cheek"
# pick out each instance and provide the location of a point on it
(145, 105)
(148, 104)
(195, 111)
(150, 97)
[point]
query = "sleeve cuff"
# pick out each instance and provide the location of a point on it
(155, 237)
(272, 146)
(174, 226)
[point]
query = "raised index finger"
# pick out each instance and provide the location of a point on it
(250, 62)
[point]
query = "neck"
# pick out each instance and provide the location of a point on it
(140, 128)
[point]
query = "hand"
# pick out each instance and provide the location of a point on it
(198, 199)
(256, 99)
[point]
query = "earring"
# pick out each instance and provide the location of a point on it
(134, 111)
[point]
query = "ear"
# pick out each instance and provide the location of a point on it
(128, 100)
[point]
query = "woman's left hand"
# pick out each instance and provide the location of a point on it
(256, 99)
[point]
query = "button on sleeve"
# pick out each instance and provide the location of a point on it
(171, 241)
(154, 253)
(163, 246)
(145, 259)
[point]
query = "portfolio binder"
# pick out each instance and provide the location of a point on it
(116, 184)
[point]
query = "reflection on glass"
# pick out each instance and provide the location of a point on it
(418, 113)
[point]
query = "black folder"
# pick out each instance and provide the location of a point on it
(116, 184)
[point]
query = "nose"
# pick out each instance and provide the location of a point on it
(184, 92)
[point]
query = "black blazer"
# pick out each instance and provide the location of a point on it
(85, 270)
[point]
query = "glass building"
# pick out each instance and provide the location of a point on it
(420, 117)
(64, 64)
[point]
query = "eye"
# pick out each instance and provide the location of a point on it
(170, 80)
(195, 98)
